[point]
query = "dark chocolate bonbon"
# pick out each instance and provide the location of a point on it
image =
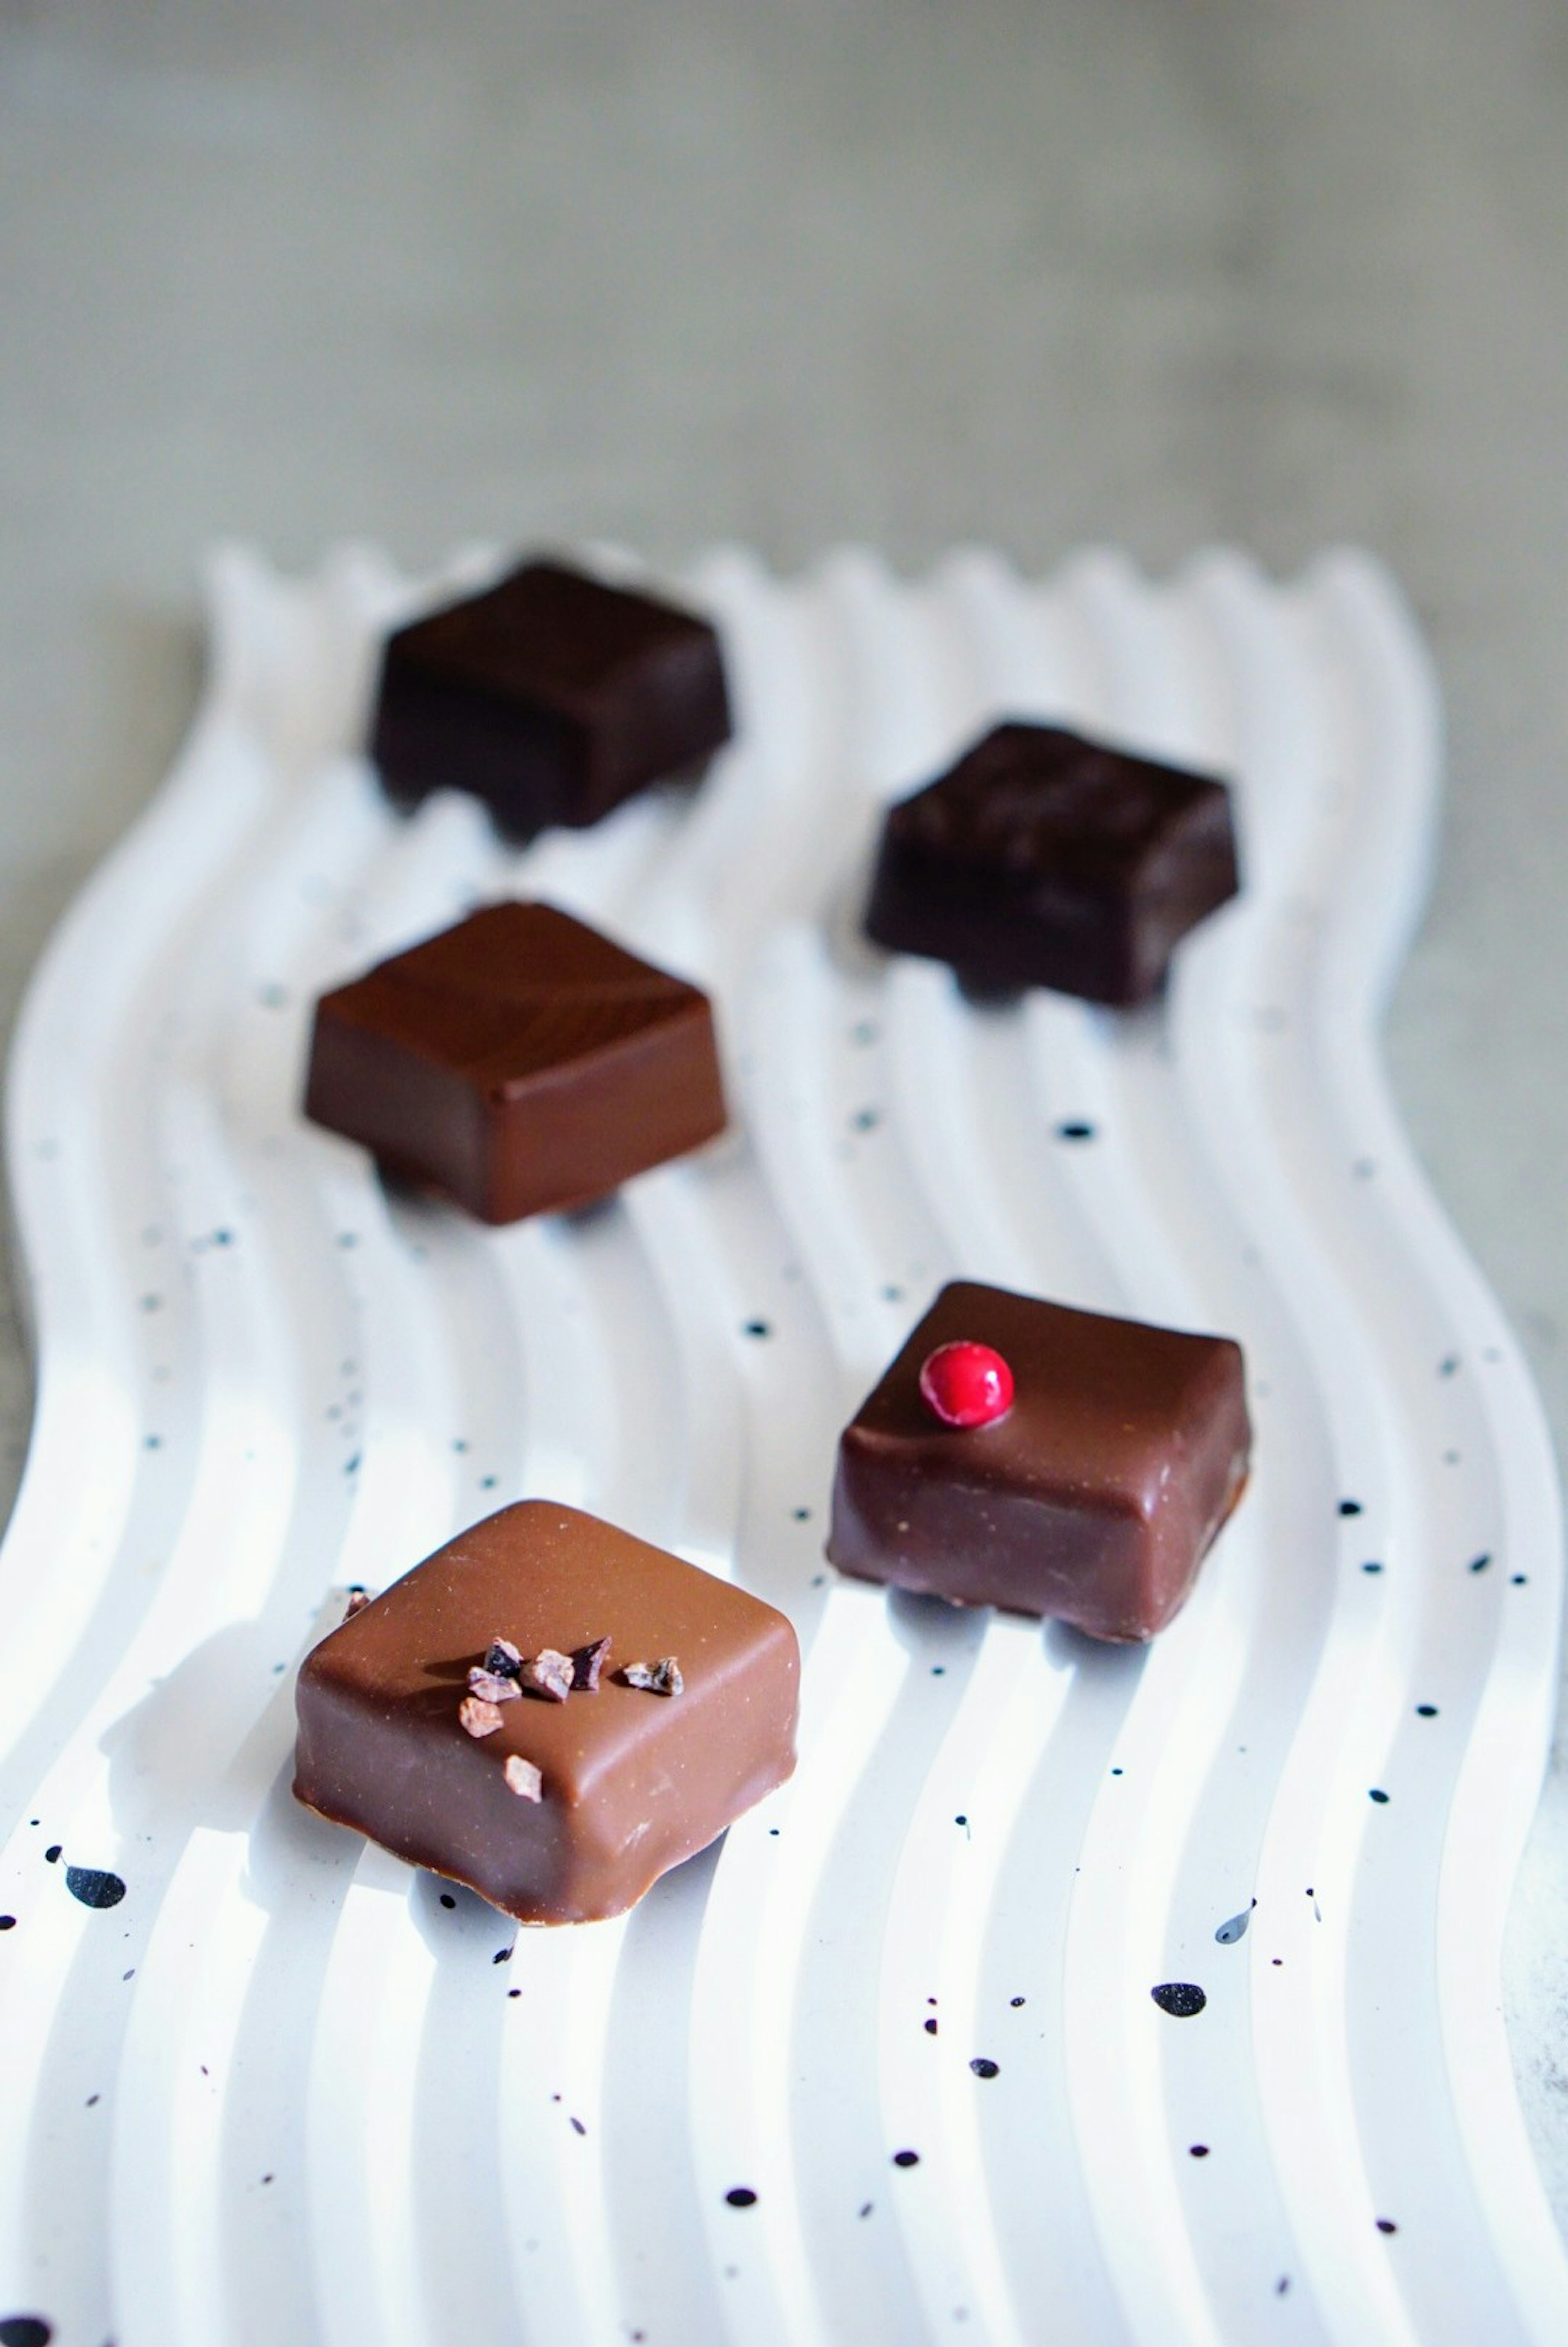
(519, 1062)
(1093, 1500)
(552, 696)
(565, 1810)
(1044, 859)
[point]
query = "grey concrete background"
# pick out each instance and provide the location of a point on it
(790, 271)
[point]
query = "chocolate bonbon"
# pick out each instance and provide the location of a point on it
(552, 696)
(1044, 859)
(519, 1064)
(560, 1810)
(1092, 1497)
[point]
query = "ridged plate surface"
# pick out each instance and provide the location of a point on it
(281, 2091)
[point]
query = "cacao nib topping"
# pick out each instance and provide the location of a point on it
(548, 1673)
(479, 1717)
(504, 1660)
(492, 1687)
(588, 1662)
(662, 1677)
(523, 1778)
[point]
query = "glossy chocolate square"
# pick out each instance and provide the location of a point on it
(552, 696)
(519, 1064)
(1044, 859)
(618, 1784)
(1093, 1498)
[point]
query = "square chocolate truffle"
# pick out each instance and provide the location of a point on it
(518, 1063)
(1044, 859)
(552, 696)
(550, 1711)
(1020, 1454)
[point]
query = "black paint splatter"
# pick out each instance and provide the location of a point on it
(1198, 2150)
(52, 1855)
(1386, 2225)
(1181, 1999)
(984, 2068)
(1426, 1711)
(931, 2024)
(906, 2160)
(1376, 1793)
(1015, 2000)
(25, 2330)
(741, 2195)
(1479, 1563)
(94, 1886)
(1350, 1507)
(758, 1329)
(1076, 1131)
(1371, 1567)
(7, 1922)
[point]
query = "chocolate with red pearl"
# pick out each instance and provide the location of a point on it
(557, 1809)
(1094, 1500)
(1044, 859)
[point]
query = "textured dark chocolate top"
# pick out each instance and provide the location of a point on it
(550, 634)
(1033, 799)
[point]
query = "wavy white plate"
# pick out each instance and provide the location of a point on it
(281, 2091)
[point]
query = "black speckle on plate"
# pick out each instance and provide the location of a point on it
(1181, 1999)
(7, 1922)
(25, 2330)
(906, 2160)
(1371, 1566)
(758, 1329)
(1376, 1793)
(52, 1855)
(447, 1900)
(1426, 1711)
(931, 2024)
(1386, 2225)
(1479, 1563)
(1233, 1927)
(1076, 1130)
(984, 2068)
(1350, 1507)
(95, 1886)
(741, 2195)
(1198, 2150)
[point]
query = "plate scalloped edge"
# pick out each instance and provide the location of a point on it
(283, 2089)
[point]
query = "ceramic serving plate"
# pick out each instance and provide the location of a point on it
(262, 2084)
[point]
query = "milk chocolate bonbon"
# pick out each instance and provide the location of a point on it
(559, 1811)
(1093, 1498)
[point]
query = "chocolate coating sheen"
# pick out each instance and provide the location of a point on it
(633, 1781)
(1094, 1500)
(552, 696)
(520, 1063)
(1044, 859)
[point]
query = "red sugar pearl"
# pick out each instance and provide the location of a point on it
(966, 1384)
